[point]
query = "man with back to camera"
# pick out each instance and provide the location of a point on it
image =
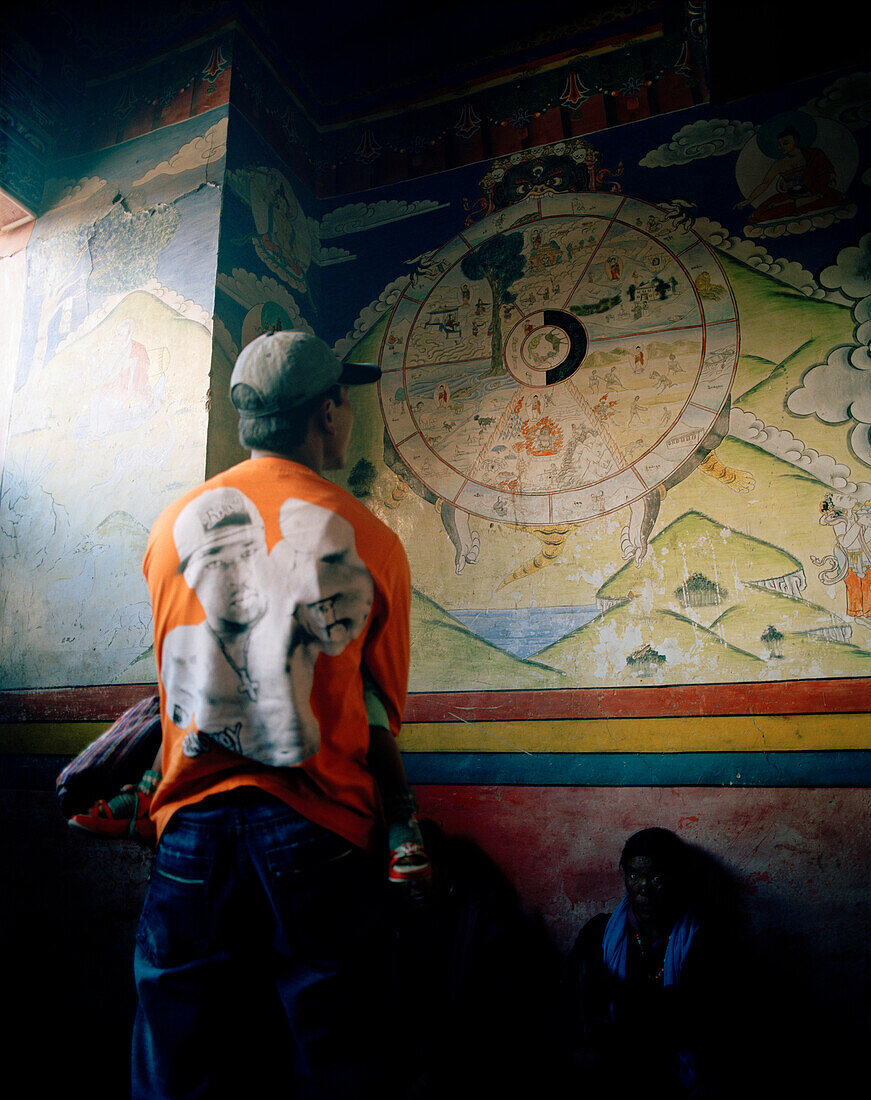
(281, 629)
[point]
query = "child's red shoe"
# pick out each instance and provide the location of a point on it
(125, 815)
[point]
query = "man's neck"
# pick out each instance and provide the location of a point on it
(306, 456)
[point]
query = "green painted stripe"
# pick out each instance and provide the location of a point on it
(696, 769)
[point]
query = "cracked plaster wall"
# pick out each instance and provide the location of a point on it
(108, 398)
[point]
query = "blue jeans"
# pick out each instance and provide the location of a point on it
(262, 951)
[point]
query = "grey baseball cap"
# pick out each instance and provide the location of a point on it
(286, 369)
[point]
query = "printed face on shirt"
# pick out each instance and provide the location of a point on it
(329, 580)
(346, 596)
(242, 681)
(226, 579)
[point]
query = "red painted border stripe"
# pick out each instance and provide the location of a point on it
(847, 696)
(75, 704)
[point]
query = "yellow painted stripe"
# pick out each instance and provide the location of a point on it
(64, 738)
(766, 733)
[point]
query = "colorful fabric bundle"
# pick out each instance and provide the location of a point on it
(119, 756)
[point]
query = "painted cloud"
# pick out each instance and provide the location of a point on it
(358, 216)
(839, 390)
(706, 138)
(204, 150)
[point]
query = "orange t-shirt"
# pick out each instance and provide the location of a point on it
(271, 588)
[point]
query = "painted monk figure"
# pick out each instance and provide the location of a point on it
(804, 180)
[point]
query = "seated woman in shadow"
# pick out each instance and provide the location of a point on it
(649, 984)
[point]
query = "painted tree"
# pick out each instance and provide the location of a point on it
(772, 639)
(698, 591)
(362, 478)
(645, 660)
(125, 245)
(499, 260)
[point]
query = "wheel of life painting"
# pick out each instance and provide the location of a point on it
(559, 359)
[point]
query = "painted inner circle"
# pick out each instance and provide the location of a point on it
(544, 347)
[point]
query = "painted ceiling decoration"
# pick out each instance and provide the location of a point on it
(349, 87)
(355, 96)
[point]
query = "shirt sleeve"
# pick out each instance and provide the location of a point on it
(386, 653)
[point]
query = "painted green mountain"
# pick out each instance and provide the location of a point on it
(445, 656)
(777, 319)
(783, 334)
(753, 371)
(811, 638)
(716, 644)
(718, 641)
(782, 510)
(597, 654)
(696, 544)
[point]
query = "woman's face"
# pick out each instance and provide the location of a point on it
(650, 889)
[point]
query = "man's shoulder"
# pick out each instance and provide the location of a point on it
(300, 483)
(230, 477)
(375, 540)
(357, 513)
(161, 533)
(269, 484)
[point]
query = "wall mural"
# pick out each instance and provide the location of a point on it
(623, 426)
(270, 263)
(623, 443)
(106, 428)
(266, 254)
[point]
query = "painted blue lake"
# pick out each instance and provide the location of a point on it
(524, 631)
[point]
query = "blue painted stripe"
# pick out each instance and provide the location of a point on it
(849, 768)
(680, 769)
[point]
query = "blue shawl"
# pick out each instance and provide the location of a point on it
(616, 937)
